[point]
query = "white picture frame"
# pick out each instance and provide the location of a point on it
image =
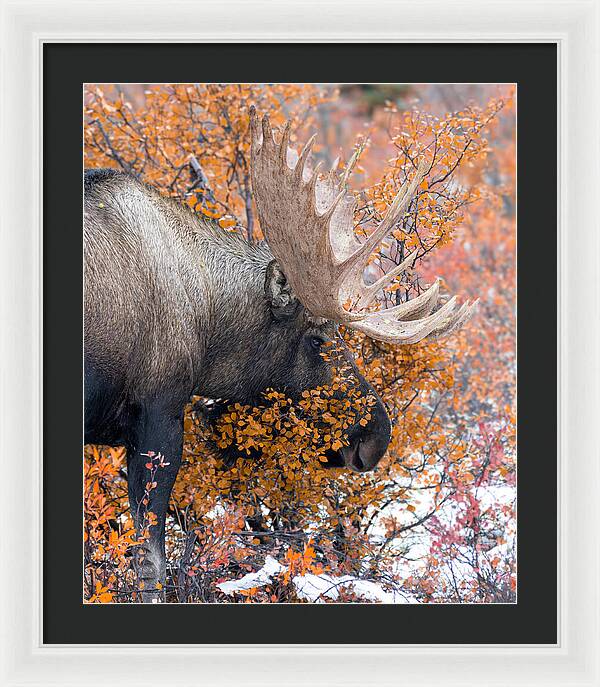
(575, 27)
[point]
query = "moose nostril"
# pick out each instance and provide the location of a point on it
(357, 461)
(353, 458)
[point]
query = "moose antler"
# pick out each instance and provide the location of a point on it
(308, 222)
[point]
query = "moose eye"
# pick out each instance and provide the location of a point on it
(316, 342)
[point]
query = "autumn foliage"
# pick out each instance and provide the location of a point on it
(436, 521)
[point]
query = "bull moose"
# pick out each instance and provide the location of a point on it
(175, 306)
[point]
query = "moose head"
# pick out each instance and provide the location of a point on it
(316, 279)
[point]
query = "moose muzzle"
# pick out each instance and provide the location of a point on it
(367, 445)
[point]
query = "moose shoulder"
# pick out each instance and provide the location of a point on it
(176, 306)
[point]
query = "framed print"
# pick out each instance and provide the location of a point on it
(274, 499)
(297, 449)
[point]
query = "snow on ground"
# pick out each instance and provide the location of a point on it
(315, 587)
(260, 578)
(417, 542)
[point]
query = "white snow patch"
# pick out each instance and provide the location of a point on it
(260, 578)
(315, 587)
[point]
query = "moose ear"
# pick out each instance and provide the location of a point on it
(279, 293)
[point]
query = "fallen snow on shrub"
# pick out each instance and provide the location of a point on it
(260, 578)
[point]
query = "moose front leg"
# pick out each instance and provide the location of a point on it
(153, 461)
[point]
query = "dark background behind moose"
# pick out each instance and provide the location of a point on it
(533, 150)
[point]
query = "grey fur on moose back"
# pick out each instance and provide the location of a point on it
(175, 306)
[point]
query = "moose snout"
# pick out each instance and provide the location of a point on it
(367, 445)
(364, 452)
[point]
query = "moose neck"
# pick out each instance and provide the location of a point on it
(233, 311)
